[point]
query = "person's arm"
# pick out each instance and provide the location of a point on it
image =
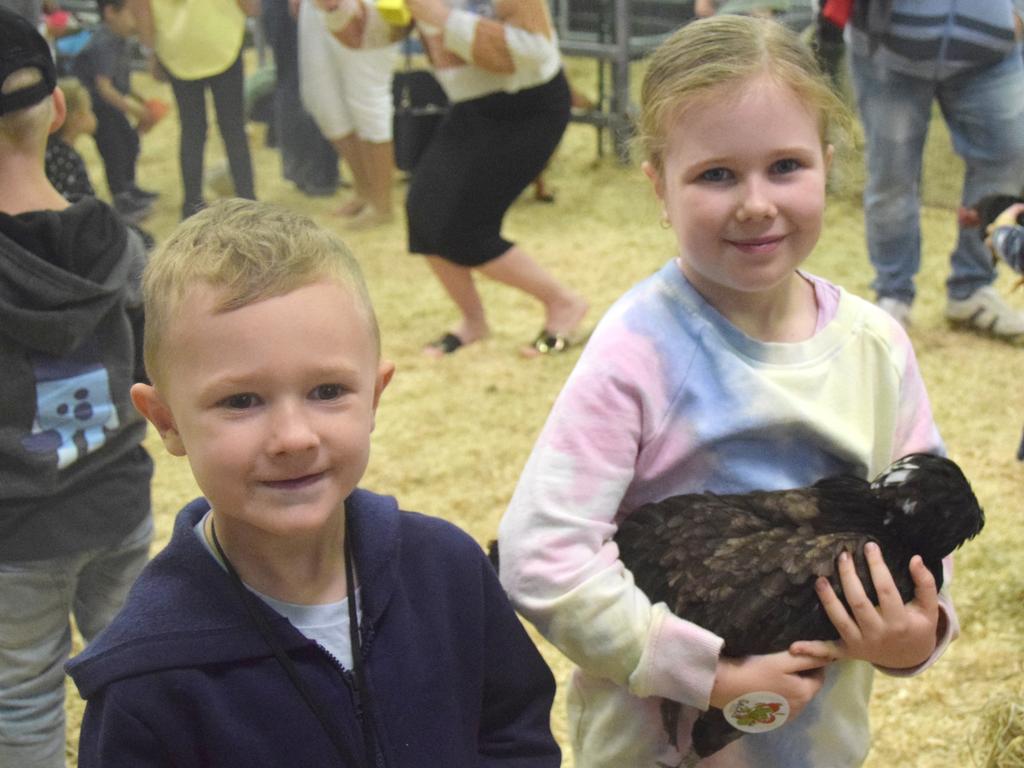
(357, 24)
(559, 563)
(122, 102)
(520, 39)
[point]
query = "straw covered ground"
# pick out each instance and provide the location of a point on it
(452, 435)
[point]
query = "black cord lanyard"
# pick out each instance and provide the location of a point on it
(255, 612)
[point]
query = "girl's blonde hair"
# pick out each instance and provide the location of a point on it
(75, 96)
(248, 251)
(724, 51)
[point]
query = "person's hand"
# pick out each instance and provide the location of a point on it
(704, 8)
(797, 678)
(892, 634)
(156, 69)
(249, 7)
(1007, 218)
(293, 8)
(433, 12)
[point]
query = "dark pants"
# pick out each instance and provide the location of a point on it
(307, 158)
(228, 102)
(118, 145)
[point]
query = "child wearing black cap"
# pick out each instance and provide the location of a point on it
(75, 522)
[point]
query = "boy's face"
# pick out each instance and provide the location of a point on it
(120, 20)
(273, 404)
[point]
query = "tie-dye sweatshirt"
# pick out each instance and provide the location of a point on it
(669, 398)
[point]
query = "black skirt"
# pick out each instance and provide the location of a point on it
(481, 158)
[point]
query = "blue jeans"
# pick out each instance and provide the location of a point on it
(984, 111)
(36, 599)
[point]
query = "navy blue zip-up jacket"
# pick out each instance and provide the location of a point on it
(182, 676)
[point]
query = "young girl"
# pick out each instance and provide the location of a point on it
(728, 370)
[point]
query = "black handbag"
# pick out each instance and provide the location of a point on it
(420, 105)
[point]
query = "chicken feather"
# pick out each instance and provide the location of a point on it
(743, 565)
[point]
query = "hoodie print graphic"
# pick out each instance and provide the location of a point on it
(74, 405)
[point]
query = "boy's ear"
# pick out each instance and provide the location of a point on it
(150, 404)
(385, 371)
(60, 109)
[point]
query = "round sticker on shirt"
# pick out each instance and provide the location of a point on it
(757, 712)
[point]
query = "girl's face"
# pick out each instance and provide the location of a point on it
(743, 187)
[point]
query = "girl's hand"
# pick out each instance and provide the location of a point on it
(797, 678)
(891, 634)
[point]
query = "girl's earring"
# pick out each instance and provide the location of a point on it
(665, 223)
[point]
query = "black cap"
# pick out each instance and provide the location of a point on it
(22, 46)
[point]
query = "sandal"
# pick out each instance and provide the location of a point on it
(446, 344)
(547, 343)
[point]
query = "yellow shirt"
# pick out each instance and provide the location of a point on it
(197, 38)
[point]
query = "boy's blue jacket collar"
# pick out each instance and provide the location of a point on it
(216, 614)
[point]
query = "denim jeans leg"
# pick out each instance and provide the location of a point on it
(35, 640)
(105, 577)
(985, 114)
(895, 112)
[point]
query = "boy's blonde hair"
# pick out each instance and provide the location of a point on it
(248, 251)
(28, 128)
(723, 51)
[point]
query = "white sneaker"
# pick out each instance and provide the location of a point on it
(986, 311)
(899, 310)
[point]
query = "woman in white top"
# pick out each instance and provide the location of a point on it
(499, 63)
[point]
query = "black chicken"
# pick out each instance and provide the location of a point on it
(744, 565)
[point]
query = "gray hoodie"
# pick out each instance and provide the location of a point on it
(73, 472)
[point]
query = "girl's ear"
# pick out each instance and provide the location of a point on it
(150, 404)
(654, 175)
(830, 152)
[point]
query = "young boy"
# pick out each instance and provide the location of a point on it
(104, 68)
(75, 520)
(240, 644)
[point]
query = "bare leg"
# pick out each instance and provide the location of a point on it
(457, 282)
(564, 309)
(378, 161)
(349, 149)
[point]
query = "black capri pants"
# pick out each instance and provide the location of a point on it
(483, 155)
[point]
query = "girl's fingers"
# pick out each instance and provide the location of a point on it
(825, 650)
(834, 608)
(888, 596)
(864, 612)
(926, 593)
